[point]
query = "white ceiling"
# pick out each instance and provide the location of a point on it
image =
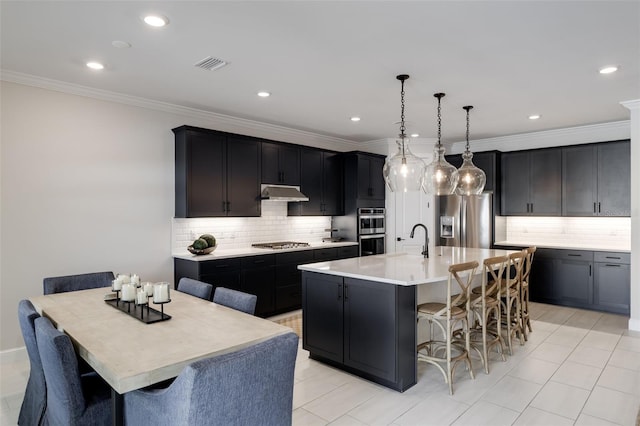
(325, 61)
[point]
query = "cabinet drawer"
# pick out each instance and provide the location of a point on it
(288, 275)
(219, 266)
(289, 297)
(259, 261)
(612, 257)
(325, 254)
(347, 252)
(586, 256)
(296, 257)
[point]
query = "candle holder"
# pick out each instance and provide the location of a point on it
(138, 312)
(162, 307)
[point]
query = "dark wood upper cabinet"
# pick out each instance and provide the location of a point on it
(370, 182)
(280, 164)
(321, 181)
(216, 174)
(614, 178)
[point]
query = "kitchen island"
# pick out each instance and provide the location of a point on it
(360, 315)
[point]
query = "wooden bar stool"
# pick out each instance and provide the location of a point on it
(524, 292)
(510, 299)
(448, 352)
(485, 308)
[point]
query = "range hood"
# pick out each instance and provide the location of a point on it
(282, 193)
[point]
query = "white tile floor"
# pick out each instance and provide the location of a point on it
(578, 368)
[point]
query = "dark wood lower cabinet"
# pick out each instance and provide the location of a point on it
(365, 327)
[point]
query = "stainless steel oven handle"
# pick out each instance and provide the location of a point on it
(372, 236)
(371, 216)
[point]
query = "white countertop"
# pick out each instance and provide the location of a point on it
(222, 253)
(568, 246)
(402, 268)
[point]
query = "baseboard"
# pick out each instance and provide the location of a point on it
(634, 324)
(13, 355)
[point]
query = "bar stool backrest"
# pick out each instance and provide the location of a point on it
(527, 263)
(494, 273)
(457, 272)
(516, 261)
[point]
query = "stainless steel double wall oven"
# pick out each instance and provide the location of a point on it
(371, 230)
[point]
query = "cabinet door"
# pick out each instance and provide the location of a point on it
(370, 338)
(332, 191)
(243, 177)
(614, 179)
(376, 178)
(290, 165)
(262, 283)
(270, 167)
(541, 282)
(545, 182)
(579, 181)
(310, 183)
(364, 177)
(322, 320)
(574, 281)
(515, 183)
(612, 287)
(206, 175)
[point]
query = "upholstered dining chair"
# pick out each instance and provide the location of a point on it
(252, 386)
(35, 395)
(72, 399)
(235, 299)
(195, 288)
(525, 317)
(450, 350)
(77, 282)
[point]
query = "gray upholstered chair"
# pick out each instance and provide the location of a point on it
(72, 399)
(35, 396)
(195, 288)
(253, 386)
(77, 282)
(235, 299)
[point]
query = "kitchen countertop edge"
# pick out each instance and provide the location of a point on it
(616, 249)
(252, 251)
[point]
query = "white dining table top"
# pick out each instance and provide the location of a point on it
(402, 268)
(130, 354)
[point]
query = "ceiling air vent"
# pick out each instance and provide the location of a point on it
(211, 64)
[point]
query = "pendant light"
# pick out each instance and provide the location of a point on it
(403, 171)
(441, 178)
(471, 179)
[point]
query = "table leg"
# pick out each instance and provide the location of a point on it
(117, 408)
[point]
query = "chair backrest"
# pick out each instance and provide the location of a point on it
(35, 397)
(494, 270)
(463, 274)
(65, 400)
(528, 261)
(66, 283)
(516, 261)
(195, 288)
(252, 386)
(238, 300)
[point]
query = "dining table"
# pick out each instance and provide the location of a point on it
(130, 354)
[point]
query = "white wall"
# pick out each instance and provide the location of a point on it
(88, 185)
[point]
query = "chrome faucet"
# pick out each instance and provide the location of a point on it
(425, 248)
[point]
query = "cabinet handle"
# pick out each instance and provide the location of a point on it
(612, 257)
(590, 269)
(339, 291)
(616, 265)
(399, 239)
(574, 255)
(228, 206)
(599, 211)
(594, 208)
(224, 206)
(531, 208)
(346, 292)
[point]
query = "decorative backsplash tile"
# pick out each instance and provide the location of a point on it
(605, 231)
(241, 232)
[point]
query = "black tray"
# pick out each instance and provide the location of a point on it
(143, 313)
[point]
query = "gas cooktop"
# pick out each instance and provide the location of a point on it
(280, 245)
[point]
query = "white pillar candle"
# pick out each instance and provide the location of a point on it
(135, 280)
(116, 285)
(124, 278)
(141, 297)
(128, 292)
(148, 287)
(161, 293)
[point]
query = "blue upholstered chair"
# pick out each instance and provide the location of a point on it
(195, 288)
(235, 299)
(35, 396)
(253, 386)
(77, 282)
(72, 399)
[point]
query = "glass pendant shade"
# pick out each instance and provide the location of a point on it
(403, 172)
(471, 179)
(440, 177)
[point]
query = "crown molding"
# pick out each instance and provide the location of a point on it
(221, 121)
(633, 104)
(550, 138)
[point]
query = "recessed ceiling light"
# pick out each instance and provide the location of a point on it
(608, 69)
(355, 118)
(264, 94)
(95, 65)
(414, 135)
(534, 116)
(156, 20)
(119, 44)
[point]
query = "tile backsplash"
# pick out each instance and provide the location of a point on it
(241, 232)
(605, 231)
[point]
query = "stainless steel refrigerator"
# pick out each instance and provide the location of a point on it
(464, 220)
